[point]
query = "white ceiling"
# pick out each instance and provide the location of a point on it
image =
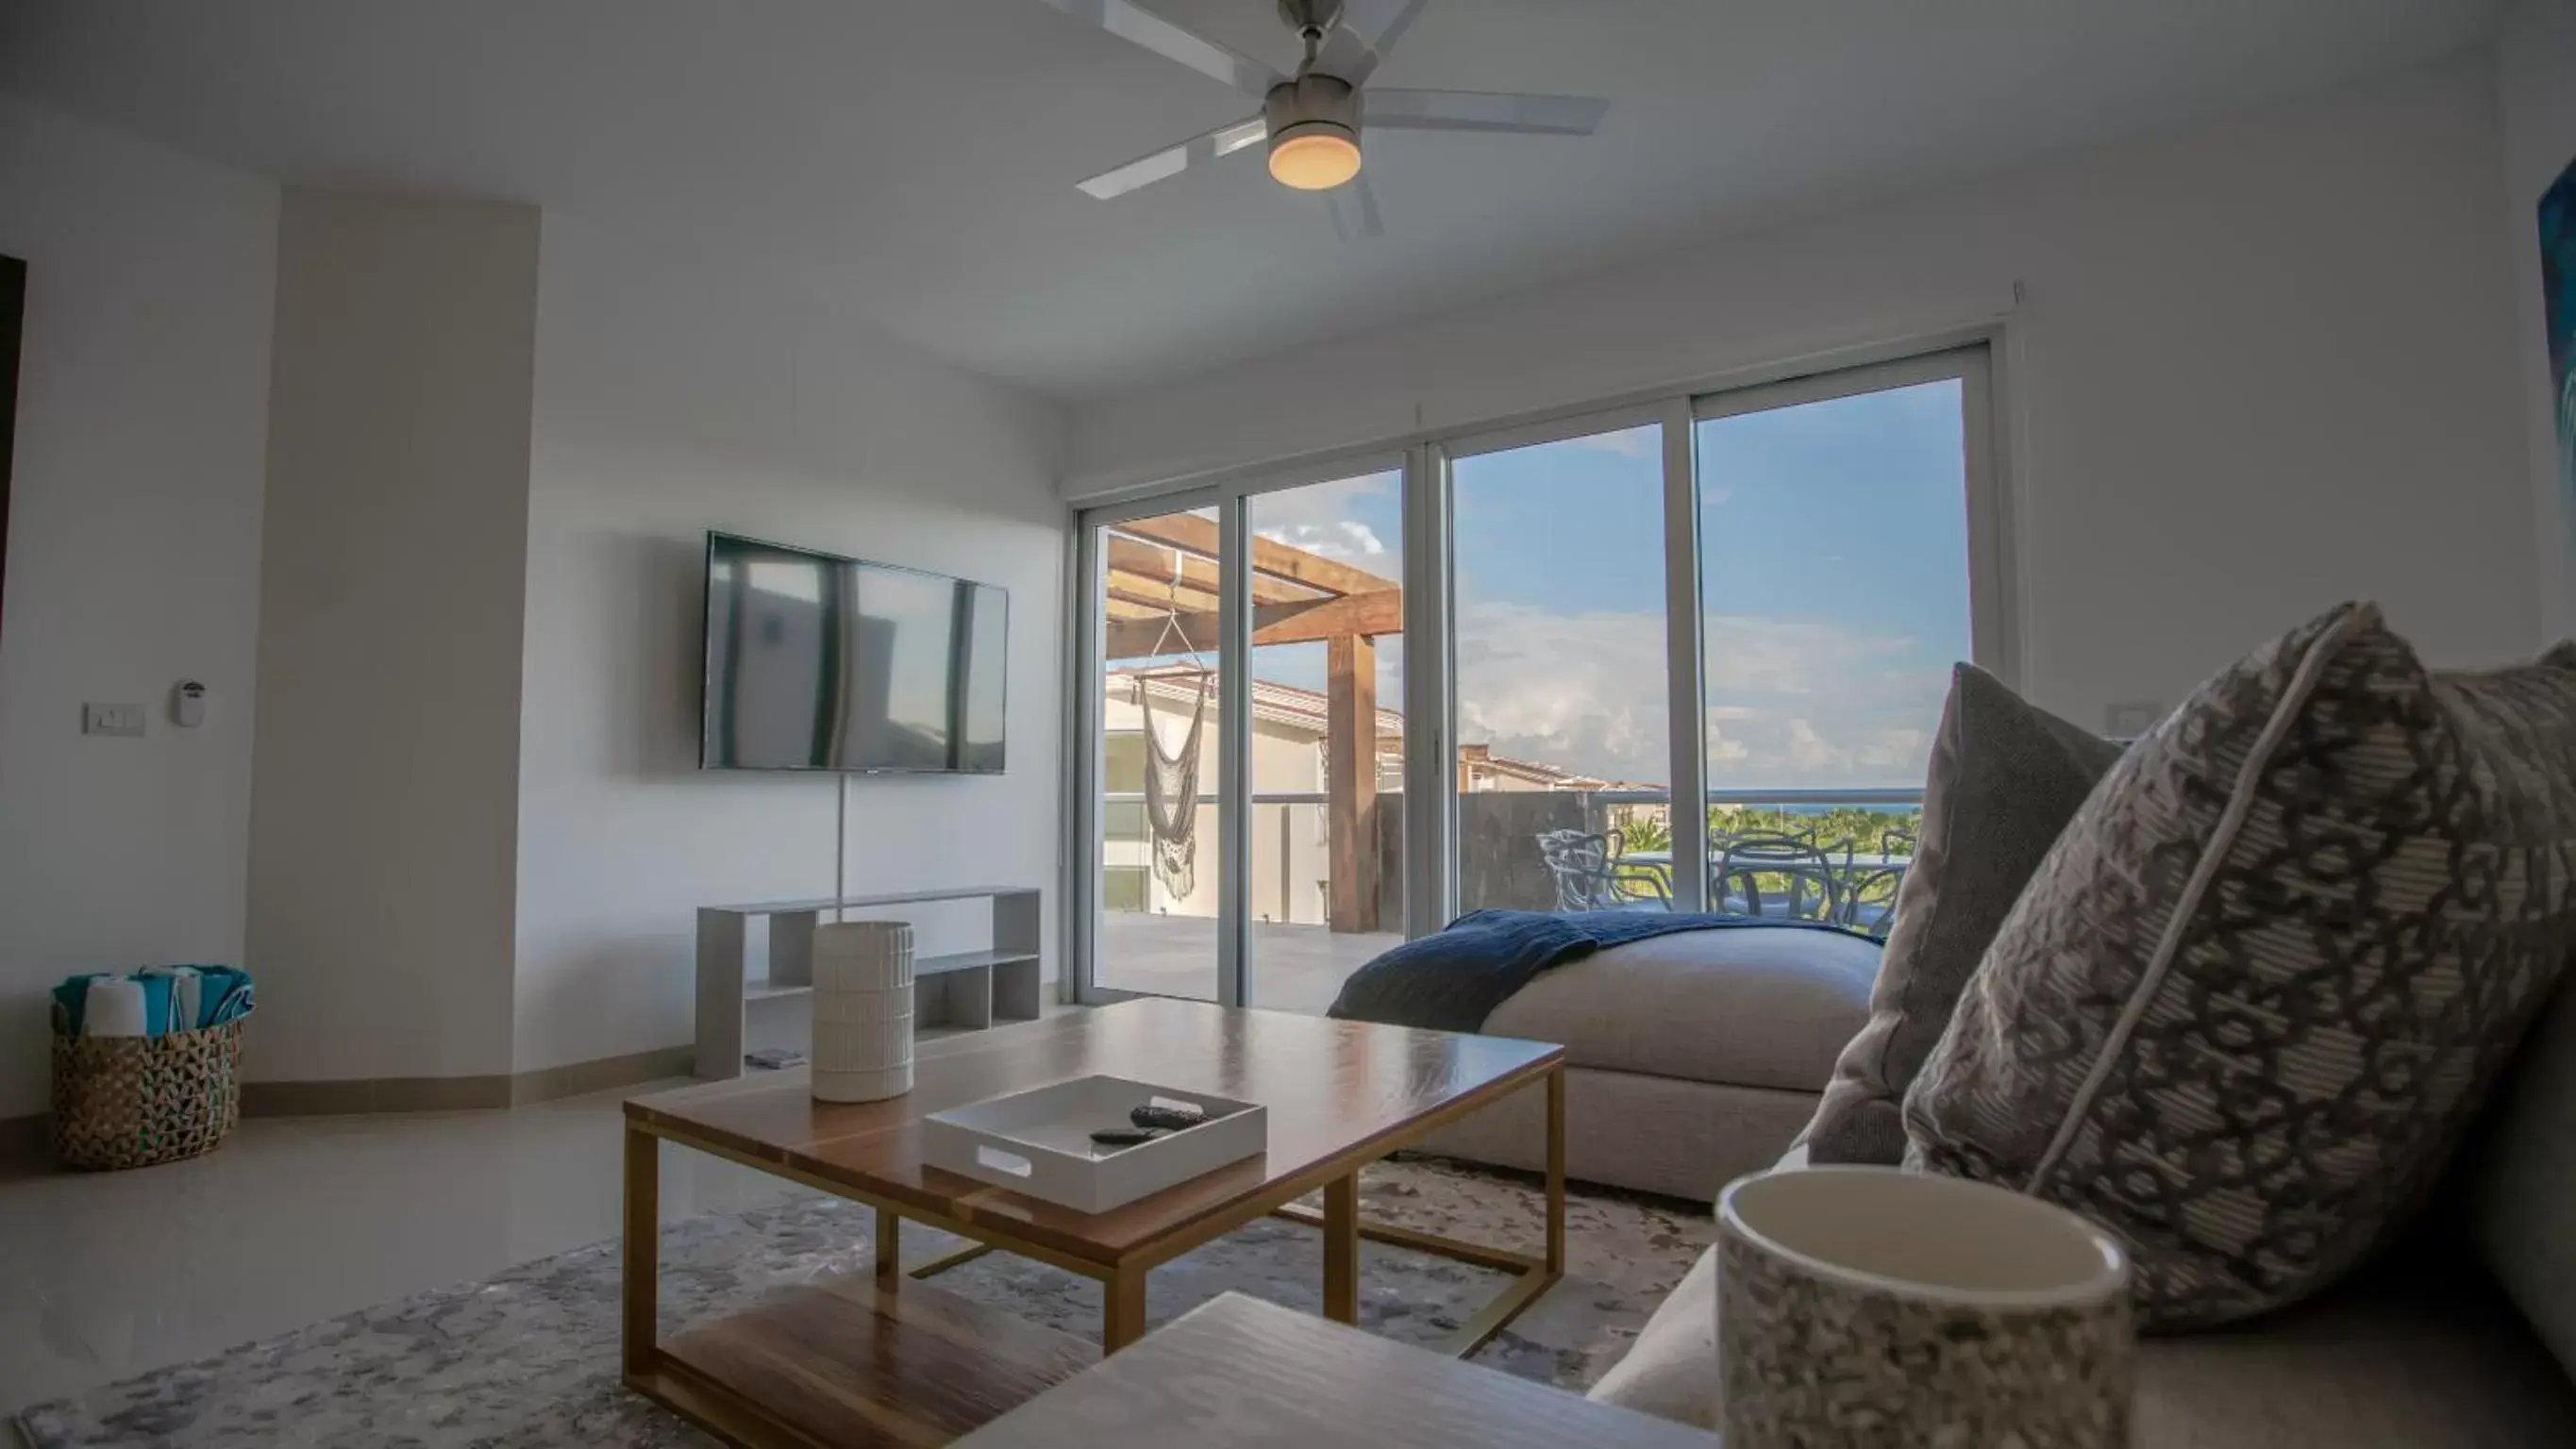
(915, 160)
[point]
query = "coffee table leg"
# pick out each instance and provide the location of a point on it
(1342, 1249)
(1556, 1171)
(889, 1248)
(640, 1288)
(1122, 1321)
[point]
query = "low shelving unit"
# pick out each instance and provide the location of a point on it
(961, 988)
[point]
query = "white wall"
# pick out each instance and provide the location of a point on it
(385, 805)
(672, 400)
(2536, 90)
(2256, 371)
(133, 559)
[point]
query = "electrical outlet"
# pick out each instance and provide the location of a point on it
(112, 719)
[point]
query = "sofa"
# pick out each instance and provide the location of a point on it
(2281, 994)
(1697, 1058)
(1691, 1059)
(2462, 1338)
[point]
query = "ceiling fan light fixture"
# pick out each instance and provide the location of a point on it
(1316, 157)
(1314, 124)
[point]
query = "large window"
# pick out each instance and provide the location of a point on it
(1834, 597)
(1684, 654)
(1557, 660)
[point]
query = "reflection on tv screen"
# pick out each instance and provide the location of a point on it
(816, 662)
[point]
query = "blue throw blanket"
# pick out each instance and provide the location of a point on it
(1453, 980)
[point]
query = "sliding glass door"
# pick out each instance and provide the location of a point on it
(1835, 593)
(1242, 746)
(1557, 664)
(1327, 662)
(1161, 839)
(1684, 654)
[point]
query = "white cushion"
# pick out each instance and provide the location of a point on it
(1747, 1007)
(1671, 1370)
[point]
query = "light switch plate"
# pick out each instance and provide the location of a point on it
(112, 719)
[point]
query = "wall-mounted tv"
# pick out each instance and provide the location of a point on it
(819, 662)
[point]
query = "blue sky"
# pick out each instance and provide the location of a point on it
(1834, 591)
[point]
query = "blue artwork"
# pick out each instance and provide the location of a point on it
(2558, 308)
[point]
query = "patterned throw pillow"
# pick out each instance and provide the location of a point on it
(2243, 1012)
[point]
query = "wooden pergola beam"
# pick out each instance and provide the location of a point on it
(1195, 535)
(1350, 782)
(1159, 594)
(1360, 615)
(1154, 562)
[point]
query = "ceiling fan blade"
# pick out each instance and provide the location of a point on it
(1367, 31)
(1482, 111)
(1173, 160)
(1355, 210)
(1132, 22)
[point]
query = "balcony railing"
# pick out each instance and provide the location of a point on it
(1499, 864)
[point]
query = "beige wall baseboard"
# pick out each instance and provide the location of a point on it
(605, 1074)
(26, 1142)
(461, 1094)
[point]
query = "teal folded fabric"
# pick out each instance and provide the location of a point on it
(226, 992)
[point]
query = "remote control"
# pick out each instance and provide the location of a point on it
(1169, 1118)
(1125, 1136)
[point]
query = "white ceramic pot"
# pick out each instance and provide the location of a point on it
(1851, 1299)
(863, 1004)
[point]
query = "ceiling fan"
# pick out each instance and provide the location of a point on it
(1314, 119)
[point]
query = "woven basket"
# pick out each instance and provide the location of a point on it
(132, 1101)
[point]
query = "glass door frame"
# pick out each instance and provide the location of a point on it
(1086, 744)
(1672, 415)
(1993, 618)
(1976, 355)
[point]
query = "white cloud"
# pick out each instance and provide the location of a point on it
(1638, 443)
(1342, 539)
(1585, 691)
(1321, 519)
(1800, 702)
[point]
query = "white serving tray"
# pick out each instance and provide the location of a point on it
(1038, 1142)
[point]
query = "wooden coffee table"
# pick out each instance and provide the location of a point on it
(887, 1358)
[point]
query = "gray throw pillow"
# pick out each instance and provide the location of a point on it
(2244, 1011)
(2006, 777)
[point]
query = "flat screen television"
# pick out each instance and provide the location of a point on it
(819, 662)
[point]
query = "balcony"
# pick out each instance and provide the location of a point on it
(1298, 963)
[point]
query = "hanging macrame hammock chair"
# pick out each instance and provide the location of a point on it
(1172, 794)
(1172, 778)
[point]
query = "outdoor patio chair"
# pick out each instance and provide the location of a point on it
(1869, 889)
(1782, 877)
(1589, 876)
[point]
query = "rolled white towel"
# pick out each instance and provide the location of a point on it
(115, 1008)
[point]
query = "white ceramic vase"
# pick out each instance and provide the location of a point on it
(1864, 1304)
(862, 1011)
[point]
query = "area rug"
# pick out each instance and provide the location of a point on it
(529, 1359)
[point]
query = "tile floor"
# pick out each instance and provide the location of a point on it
(1294, 968)
(105, 1275)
